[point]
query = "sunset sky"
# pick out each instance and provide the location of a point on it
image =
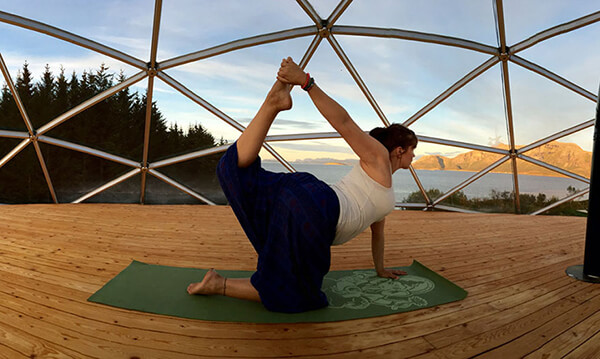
(403, 76)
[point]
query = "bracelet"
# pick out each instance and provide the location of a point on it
(307, 80)
(309, 85)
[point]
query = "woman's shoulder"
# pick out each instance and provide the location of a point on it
(378, 171)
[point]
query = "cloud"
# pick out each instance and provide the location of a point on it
(135, 46)
(295, 124)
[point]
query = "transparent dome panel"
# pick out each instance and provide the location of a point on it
(442, 168)
(561, 55)
(237, 83)
(333, 77)
(492, 193)
(199, 175)
(127, 191)
(408, 75)
(406, 189)
(160, 192)
(114, 125)
(22, 179)
(541, 107)
(541, 188)
(571, 153)
(188, 26)
(474, 114)
(185, 126)
(471, 20)
(10, 116)
(327, 159)
(7, 145)
(524, 19)
(324, 7)
(75, 174)
(124, 26)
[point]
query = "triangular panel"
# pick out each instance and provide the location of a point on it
(190, 26)
(473, 114)
(124, 26)
(559, 55)
(441, 168)
(538, 191)
(199, 175)
(493, 192)
(75, 174)
(22, 180)
(10, 116)
(542, 107)
(186, 126)
(159, 192)
(473, 20)
(524, 19)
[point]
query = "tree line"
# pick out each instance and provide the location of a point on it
(504, 202)
(115, 125)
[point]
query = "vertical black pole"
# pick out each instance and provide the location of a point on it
(590, 270)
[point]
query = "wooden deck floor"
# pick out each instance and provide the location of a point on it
(520, 303)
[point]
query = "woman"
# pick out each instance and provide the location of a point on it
(292, 219)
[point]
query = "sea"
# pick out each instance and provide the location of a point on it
(444, 181)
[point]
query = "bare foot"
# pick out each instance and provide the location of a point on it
(211, 284)
(279, 96)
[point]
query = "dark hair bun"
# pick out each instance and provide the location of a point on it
(394, 136)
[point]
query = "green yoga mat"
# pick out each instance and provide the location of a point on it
(352, 294)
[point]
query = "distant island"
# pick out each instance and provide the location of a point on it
(568, 156)
(327, 161)
(335, 164)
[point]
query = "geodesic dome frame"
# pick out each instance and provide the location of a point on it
(323, 29)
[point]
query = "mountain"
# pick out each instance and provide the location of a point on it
(567, 156)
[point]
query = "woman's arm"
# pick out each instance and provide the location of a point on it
(377, 248)
(370, 151)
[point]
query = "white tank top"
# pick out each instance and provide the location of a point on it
(363, 202)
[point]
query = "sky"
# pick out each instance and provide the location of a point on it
(403, 76)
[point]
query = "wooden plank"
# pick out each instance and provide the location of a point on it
(487, 324)
(587, 350)
(72, 341)
(570, 339)
(25, 344)
(536, 338)
(503, 334)
(7, 352)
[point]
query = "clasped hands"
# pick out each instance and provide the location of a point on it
(290, 73)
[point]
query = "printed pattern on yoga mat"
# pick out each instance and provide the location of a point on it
(352, 294)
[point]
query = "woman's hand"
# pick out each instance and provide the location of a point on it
(392, 273)
(290, 73)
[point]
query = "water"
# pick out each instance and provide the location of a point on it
(446, 180)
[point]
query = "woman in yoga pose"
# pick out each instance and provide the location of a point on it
(292, 219)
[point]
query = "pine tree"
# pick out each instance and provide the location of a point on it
(43, 108)
(24, 85)
(115, 125)
(62, 93)
(10, 117)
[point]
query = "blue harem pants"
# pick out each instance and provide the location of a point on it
(290, 219)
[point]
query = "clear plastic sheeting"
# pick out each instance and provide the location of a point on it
(164, 87)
